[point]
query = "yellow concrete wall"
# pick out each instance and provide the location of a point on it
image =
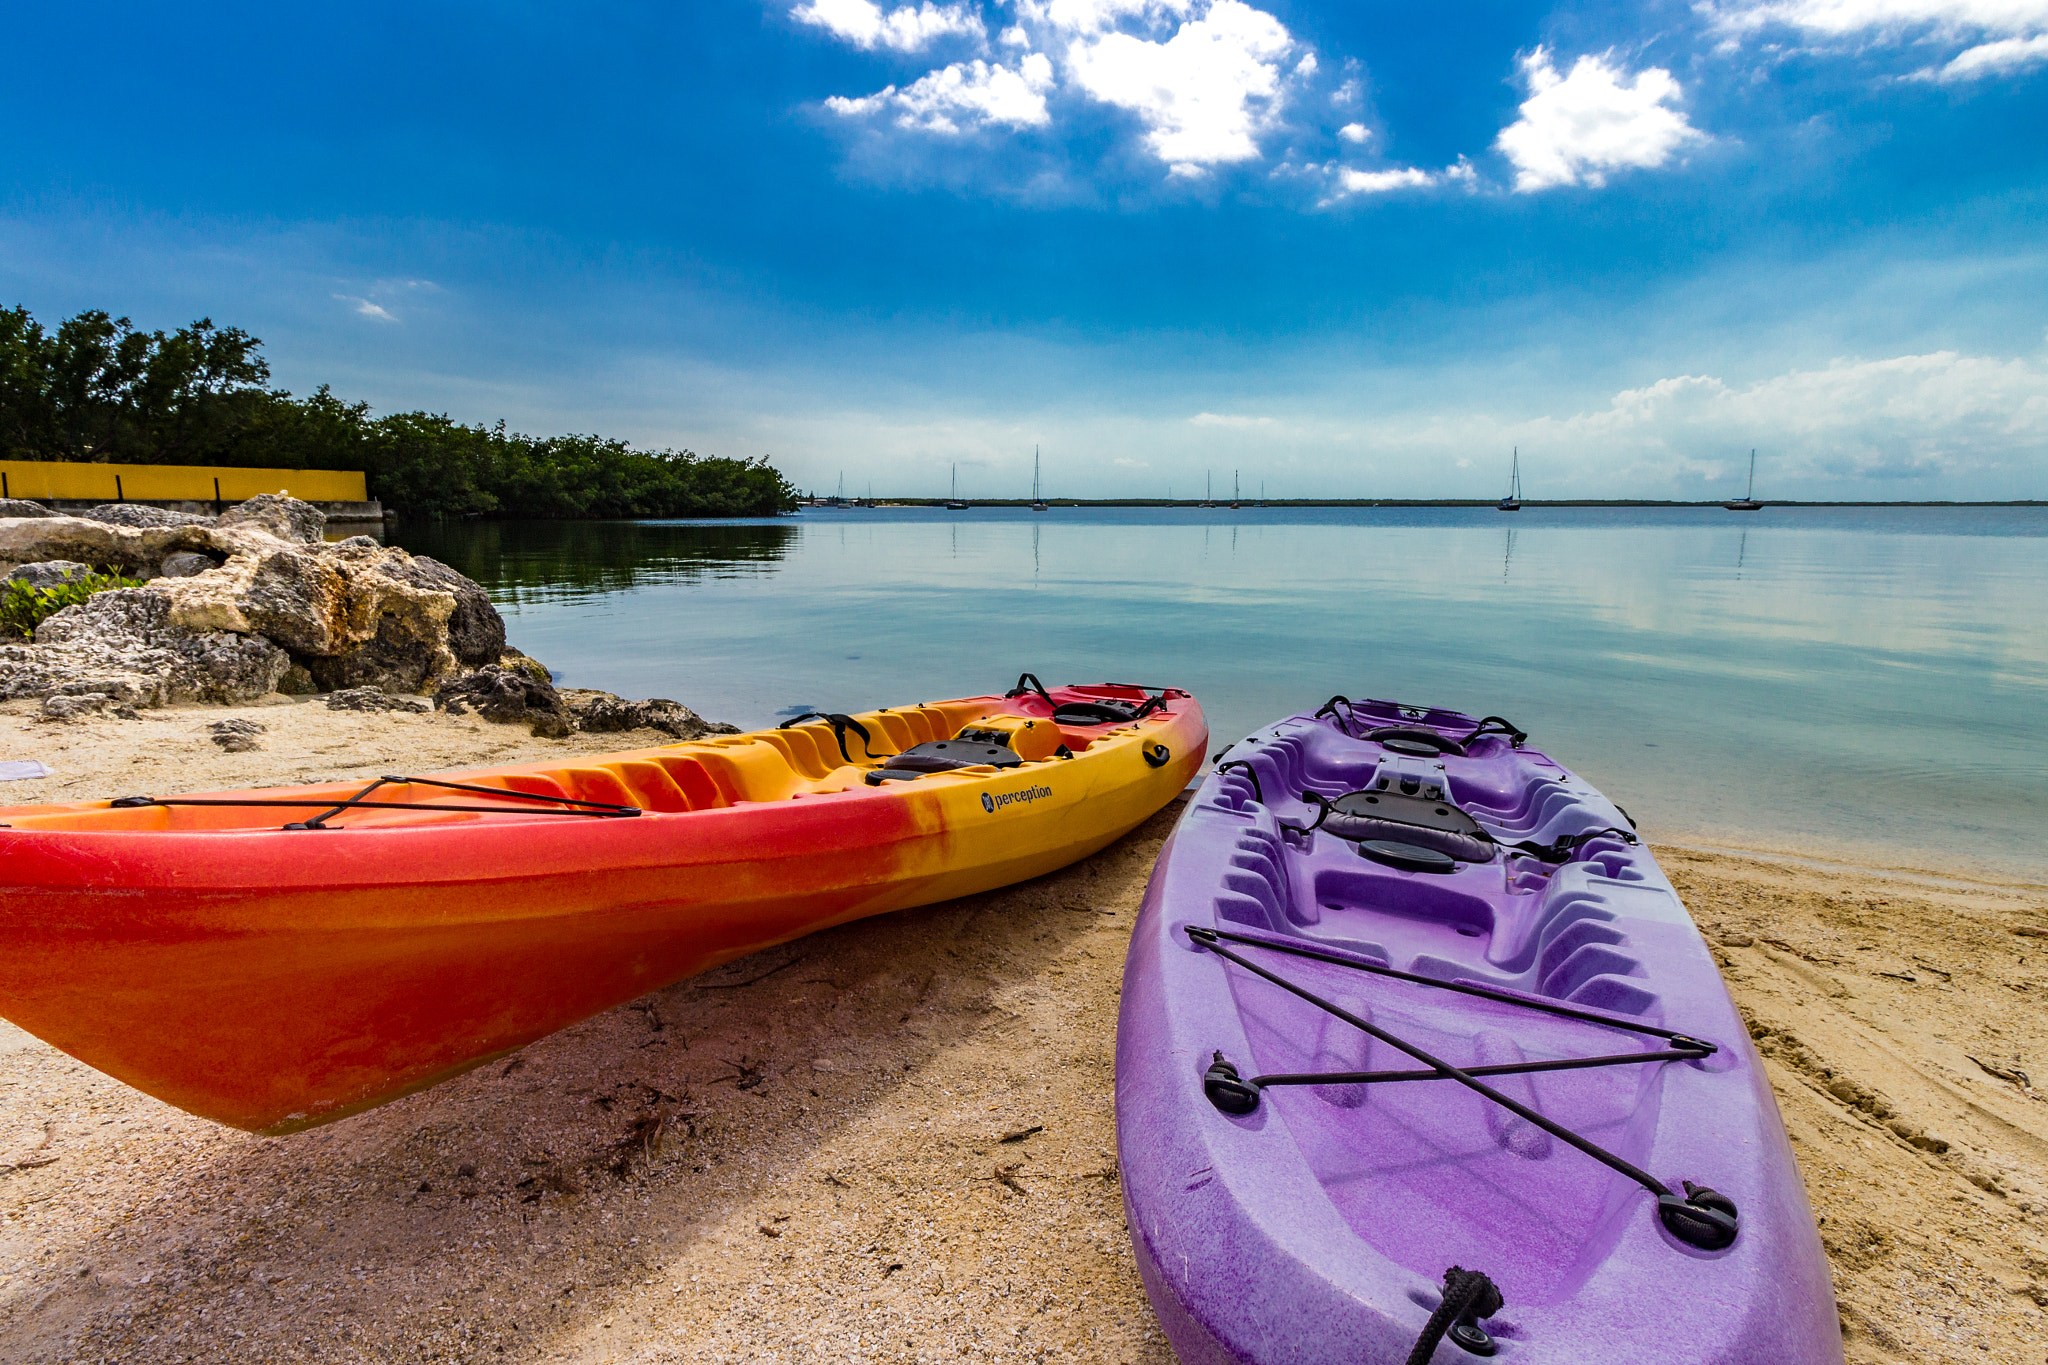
(169, 482)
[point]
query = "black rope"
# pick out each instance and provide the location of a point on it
(1201, 934)
(1251, 774)
(603, 810)
(1500, 1069)
(840, 725)
(1211, 939)
(1468, 1297)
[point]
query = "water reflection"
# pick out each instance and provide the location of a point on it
(521, 562)
(1873, 681)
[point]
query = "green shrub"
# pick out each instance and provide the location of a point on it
(24, 606)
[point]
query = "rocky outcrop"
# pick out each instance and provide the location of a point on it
(603, 712)
(126, 645)
(22, 507)
(233, 604)
(237, 735)
(507, 695)
(374, 699)
(280, 514)
(138, 514)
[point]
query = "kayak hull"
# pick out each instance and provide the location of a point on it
(275, 979)
(1320, 1225)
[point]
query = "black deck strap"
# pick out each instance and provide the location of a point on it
(840, 724)
(1211, 939)
(1202, 935)
(1251, 775)
(1151, 704)
(1348, 722)
(1028, 682)
(1560, 850)
(1499, 725)
(1468, 1297)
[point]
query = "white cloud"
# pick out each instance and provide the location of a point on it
(1905, 417)
(1354, 132)
(1892, 18)
(2017, 30)
(367, 309)
(975, 91)
(1233, 420)
(1386, 180)
(1203, 94)
(1992, 59)
(864, 23)
(1122, 463)
(1576, 128)
(1093, 16)
(1379, 182)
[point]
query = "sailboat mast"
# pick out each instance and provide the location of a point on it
(1750, 496)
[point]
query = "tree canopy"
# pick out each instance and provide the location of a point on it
(97, 389)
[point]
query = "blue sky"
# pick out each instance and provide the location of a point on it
(1350, 249)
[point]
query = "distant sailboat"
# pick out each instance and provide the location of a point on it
(1262, 494)
(1037, 503)
(953, 504)
(1747, 502)
(1234, 499)
(1208, 489)
(1513, 501)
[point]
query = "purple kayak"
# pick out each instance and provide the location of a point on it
(1420, 1057)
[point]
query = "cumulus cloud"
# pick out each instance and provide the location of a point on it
(1904, 417)
(1354, 132)
(2002, 36)
(1575, 129)
(1203, 94)
(975, 92)
(866, 25)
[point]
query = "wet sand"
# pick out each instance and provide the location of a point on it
(894, 1141)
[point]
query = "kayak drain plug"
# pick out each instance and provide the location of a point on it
(1226, 1090)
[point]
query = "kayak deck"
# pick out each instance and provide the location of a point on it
(280, 958)
(1514, 932)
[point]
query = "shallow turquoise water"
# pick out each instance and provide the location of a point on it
(1868, 682)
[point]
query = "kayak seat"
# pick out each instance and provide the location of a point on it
(1392, 817)
(946, 755)
(1109, 711)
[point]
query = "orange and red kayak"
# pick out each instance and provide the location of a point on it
(279, 958)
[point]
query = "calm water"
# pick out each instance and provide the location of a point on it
(1857, 681)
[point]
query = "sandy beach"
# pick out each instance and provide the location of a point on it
(894, 1141)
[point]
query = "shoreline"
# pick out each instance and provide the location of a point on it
(895, 1139)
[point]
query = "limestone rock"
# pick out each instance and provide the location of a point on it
(603, 712)
(245, 599)
(50, 573)
(280, 514)
(139, 514)
(183, 564)
(506, 695)
(126, 644)
(22, 507)
(374, 699)
(476, 633)
(237, 736)
(80, 706)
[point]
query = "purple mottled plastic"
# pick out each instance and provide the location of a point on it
(1318, 1227)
